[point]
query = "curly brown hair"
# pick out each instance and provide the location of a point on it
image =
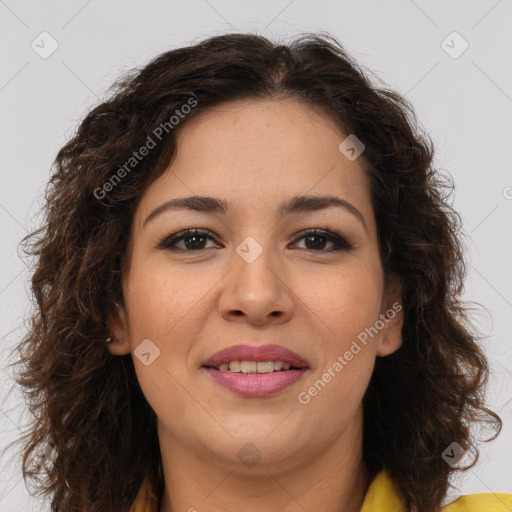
(87, 404)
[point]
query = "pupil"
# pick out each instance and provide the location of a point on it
(194, 244)
(315, 246)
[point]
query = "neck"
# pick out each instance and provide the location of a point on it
(332, 479)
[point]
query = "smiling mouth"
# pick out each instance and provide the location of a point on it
(256, 379)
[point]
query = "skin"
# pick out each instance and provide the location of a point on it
(255, 154)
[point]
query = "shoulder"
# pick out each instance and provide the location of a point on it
(383, 496)
(490, 502)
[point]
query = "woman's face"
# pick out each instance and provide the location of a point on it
(257, 277)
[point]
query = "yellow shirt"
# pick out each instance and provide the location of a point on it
(380, 497)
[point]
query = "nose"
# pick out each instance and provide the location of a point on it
(257, 292)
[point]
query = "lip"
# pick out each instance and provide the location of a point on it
(268, 352)
(256, 385)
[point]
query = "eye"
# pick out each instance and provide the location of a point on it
(315, 240)
(194, 240)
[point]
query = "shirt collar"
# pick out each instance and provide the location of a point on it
(381, 496)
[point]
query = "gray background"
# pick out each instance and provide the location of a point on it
(465, 103)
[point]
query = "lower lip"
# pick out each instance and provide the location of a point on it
(256, 384)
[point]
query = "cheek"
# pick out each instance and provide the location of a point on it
(342, 303)
(342, 307)
(161, 299)
(333, 398)
(164, 306)
(170, 307)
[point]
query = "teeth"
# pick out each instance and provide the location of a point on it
(248, 366)
(254, 367)
(265, 366)
(234, 366)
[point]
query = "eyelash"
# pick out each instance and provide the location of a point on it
(168, 243)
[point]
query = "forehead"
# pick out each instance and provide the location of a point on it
(258, 152)
(260, 131)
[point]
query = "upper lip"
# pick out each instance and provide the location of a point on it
(269, 352)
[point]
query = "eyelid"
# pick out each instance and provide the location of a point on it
(339, 240)
(183, 233)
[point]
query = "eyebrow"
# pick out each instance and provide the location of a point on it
(297, 204)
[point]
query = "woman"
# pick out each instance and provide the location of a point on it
(258, 234)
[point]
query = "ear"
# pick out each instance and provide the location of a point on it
(118, 329)
(392, 317)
